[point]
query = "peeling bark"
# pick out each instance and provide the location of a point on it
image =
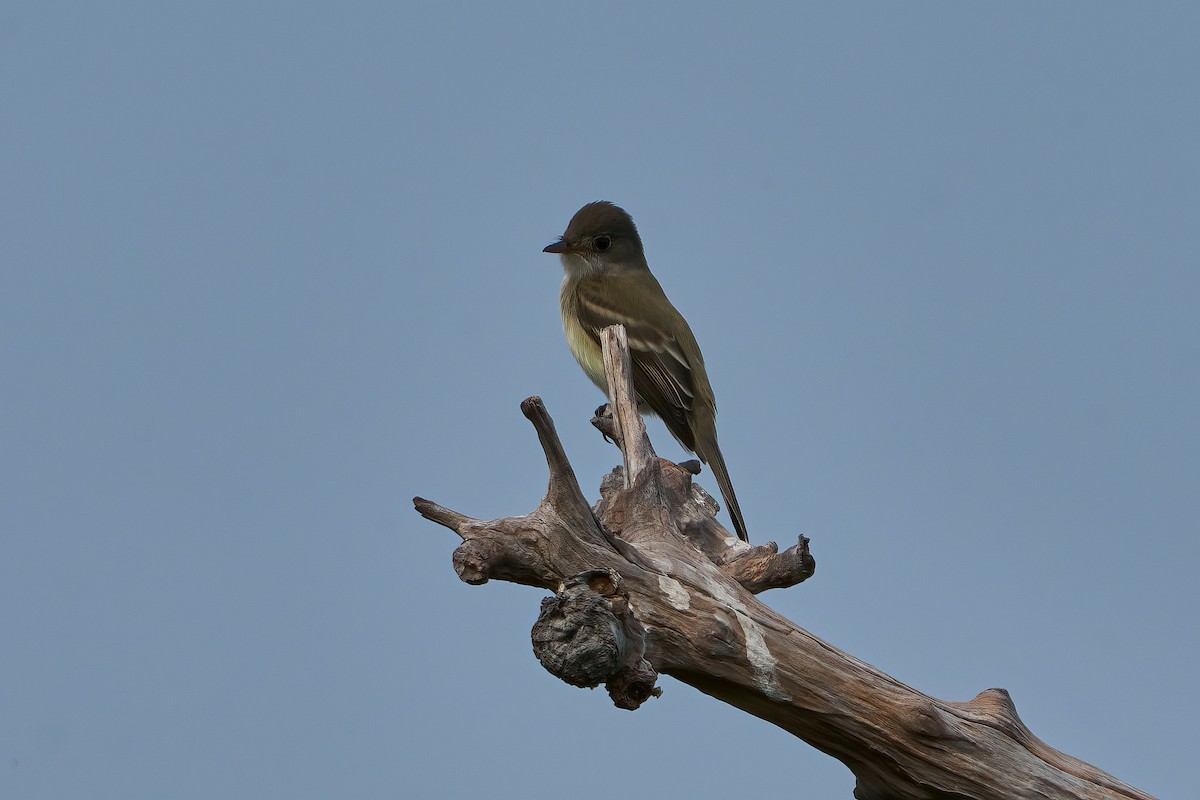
(648, 582)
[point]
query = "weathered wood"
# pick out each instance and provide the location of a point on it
(647, 582)
(629, 428)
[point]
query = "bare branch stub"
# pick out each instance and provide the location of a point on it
(442, 516)
(539, 548)
(765, 568)
(622, 398)
(647, 582)
(563, 493)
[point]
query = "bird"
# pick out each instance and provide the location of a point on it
(607, 281)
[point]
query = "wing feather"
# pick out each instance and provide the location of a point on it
(662, 373)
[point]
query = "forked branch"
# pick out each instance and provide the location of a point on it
(647, 582)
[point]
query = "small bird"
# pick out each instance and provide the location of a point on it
(608, 281)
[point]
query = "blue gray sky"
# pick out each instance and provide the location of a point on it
(270, 270)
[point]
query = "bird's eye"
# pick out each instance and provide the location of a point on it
(602, 242)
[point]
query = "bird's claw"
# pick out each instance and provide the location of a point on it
(603, 420)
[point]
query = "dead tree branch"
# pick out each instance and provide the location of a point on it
(648, 583)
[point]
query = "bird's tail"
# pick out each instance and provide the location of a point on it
(710, 453)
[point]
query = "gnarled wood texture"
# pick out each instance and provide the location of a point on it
(648, 583)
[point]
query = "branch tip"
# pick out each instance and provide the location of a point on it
(532, 406)
(443, 516)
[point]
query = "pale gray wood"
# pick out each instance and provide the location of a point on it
(630, 428)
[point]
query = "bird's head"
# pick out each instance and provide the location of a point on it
(600, 236)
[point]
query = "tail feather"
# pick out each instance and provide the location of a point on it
(710, 453)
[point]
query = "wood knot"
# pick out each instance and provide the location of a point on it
(587, 634)
(577, 636)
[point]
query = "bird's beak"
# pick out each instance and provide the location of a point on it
(560, 246)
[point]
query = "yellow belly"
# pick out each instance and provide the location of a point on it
(586, 352)
(585, 349)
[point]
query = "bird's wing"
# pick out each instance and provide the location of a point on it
(662, 373)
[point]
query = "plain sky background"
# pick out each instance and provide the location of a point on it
(270, 270)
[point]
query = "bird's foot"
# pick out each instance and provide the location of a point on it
(603, 421)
